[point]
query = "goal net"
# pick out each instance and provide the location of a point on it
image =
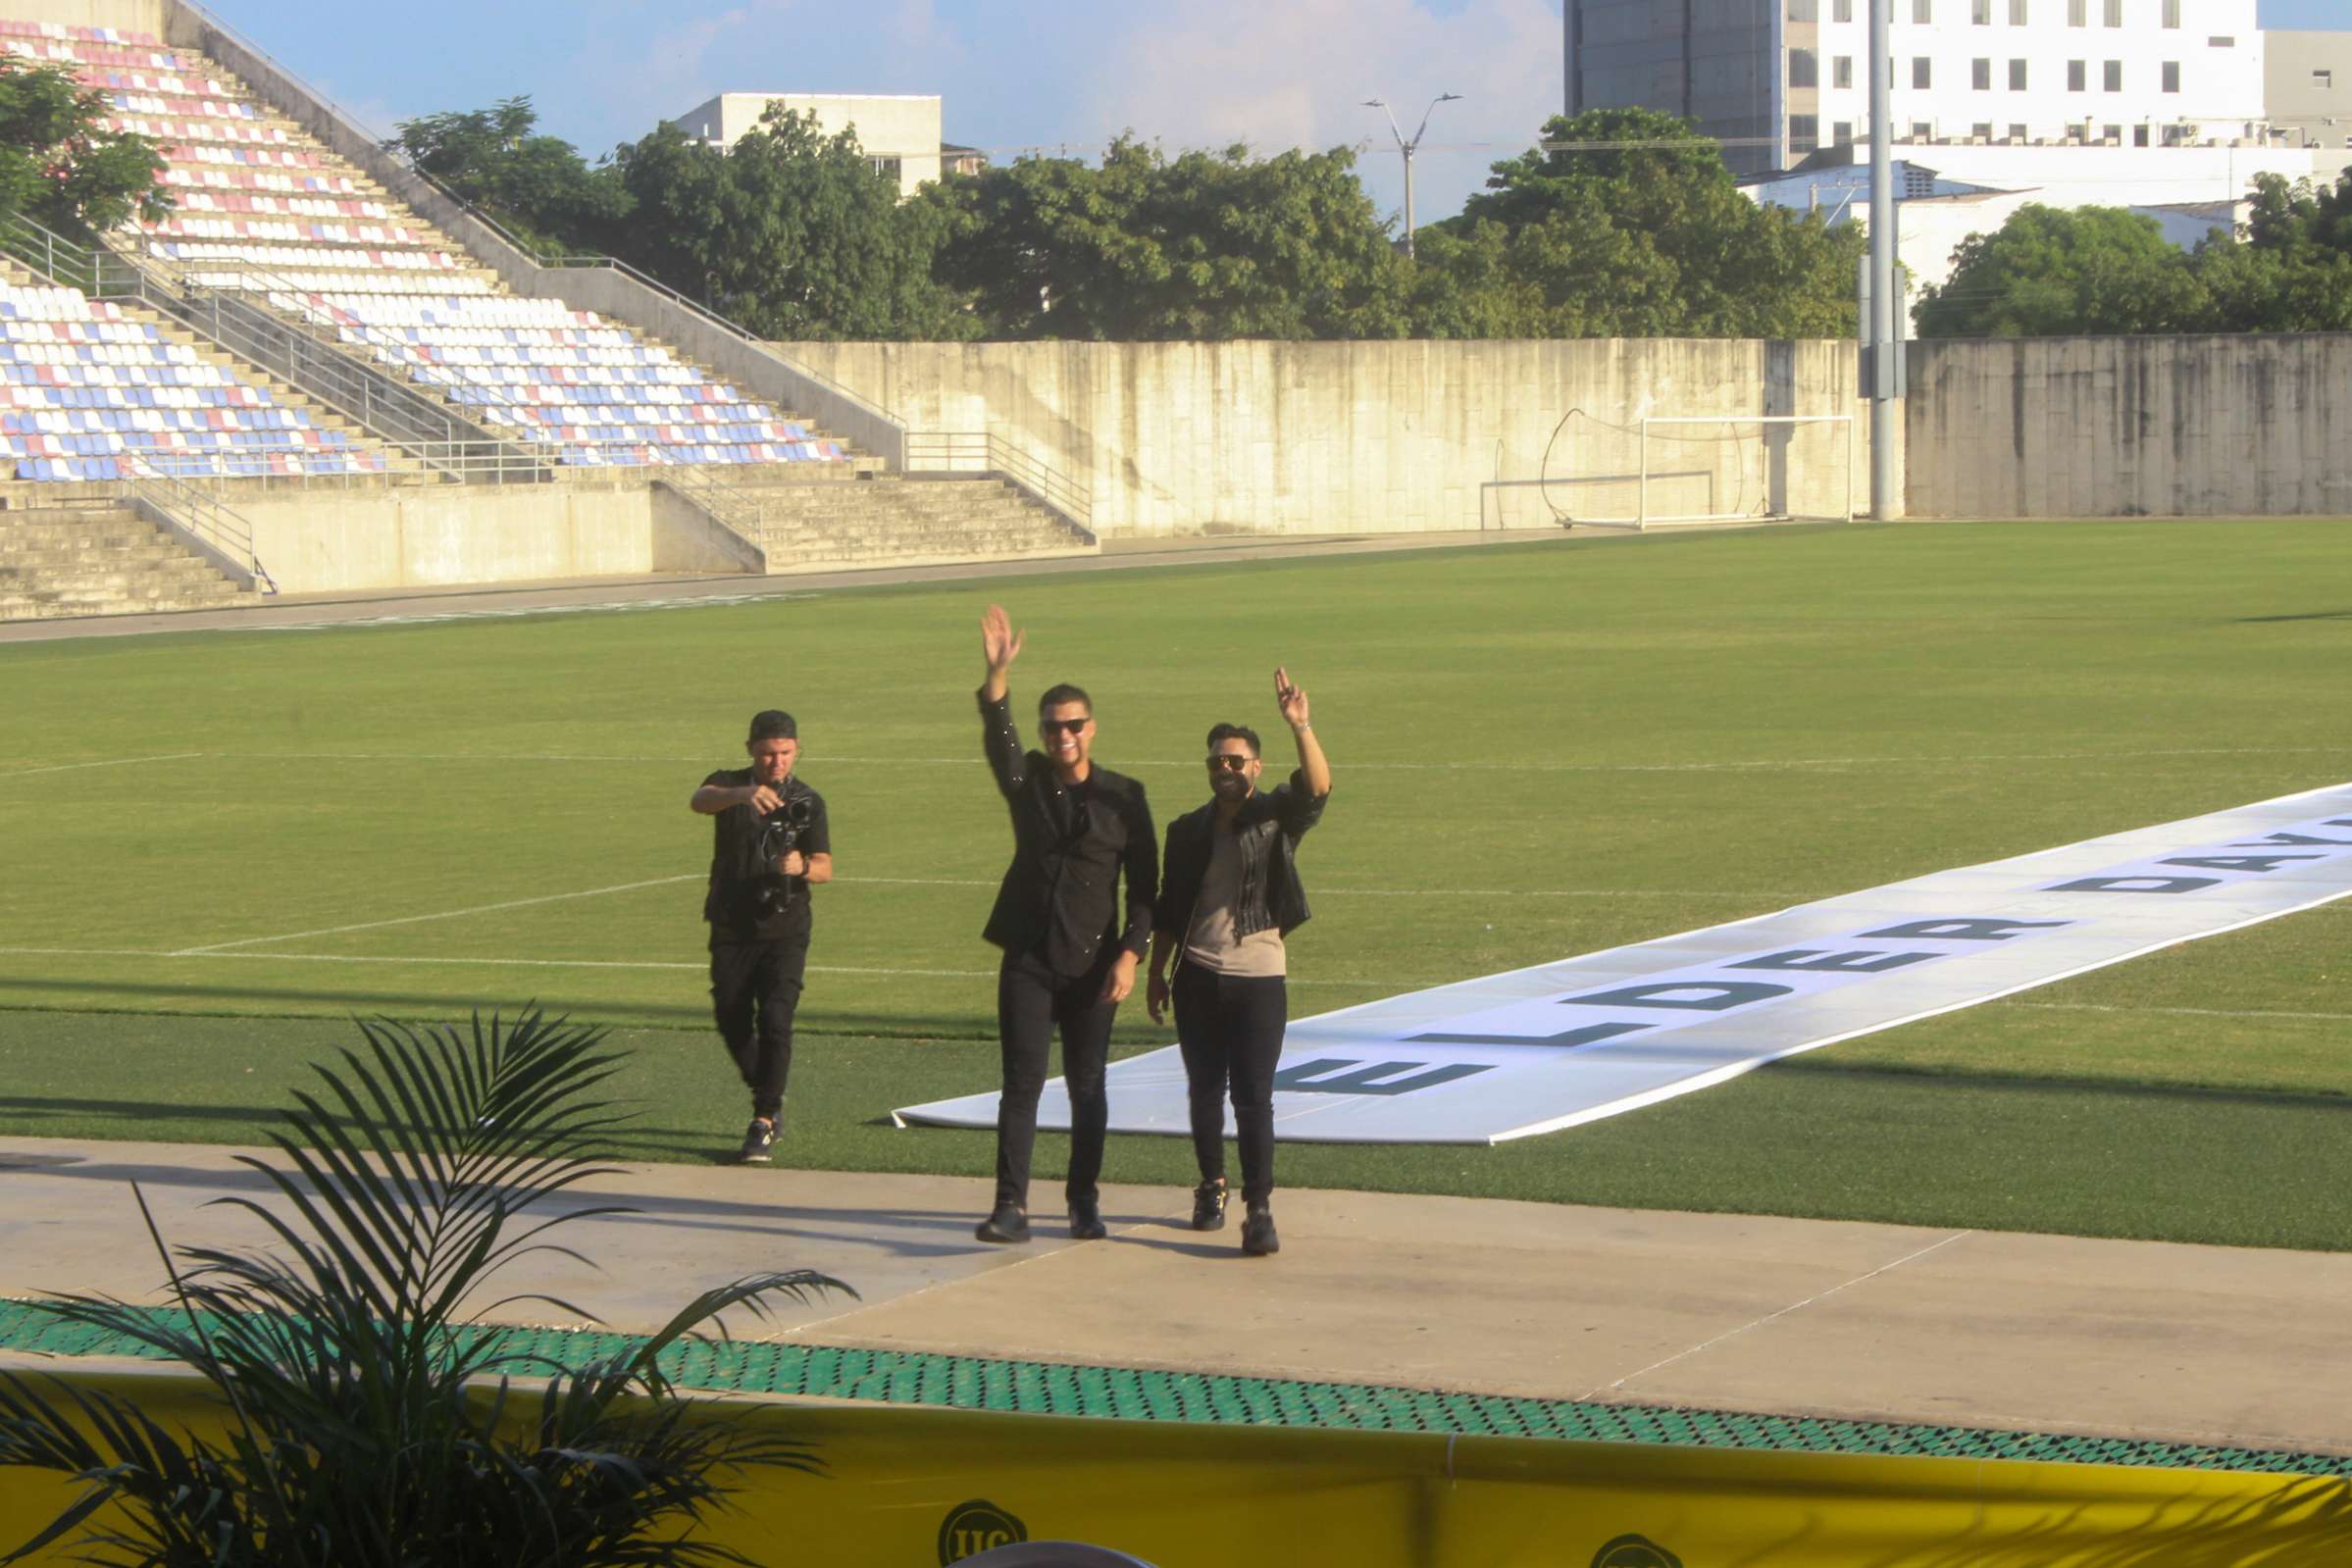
(1670, 469)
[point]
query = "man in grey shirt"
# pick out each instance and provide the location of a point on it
(1229, 895)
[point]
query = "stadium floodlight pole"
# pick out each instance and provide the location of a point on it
(1408, 148)
(1882, 323)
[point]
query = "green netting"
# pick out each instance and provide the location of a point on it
(1033, 1388)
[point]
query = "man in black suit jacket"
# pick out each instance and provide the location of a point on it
(1071, 943)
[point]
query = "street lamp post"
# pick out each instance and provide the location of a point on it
(1408, 148)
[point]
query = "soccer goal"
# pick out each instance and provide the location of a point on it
(1683, 470)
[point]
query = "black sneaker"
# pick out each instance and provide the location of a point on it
(1257, 1232)
(1209, 1206)
(759, 1142)
(1086, 1220)
(1007, 1223)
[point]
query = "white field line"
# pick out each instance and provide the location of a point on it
(111, 762)
(821, 760)
(1769, 1317)
(447, 914)
(2185, 1012)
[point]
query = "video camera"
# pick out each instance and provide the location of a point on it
(780, 833)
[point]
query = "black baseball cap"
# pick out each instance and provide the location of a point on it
(774, 724)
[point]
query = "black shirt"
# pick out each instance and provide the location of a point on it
(1060, 897)
(738, 867)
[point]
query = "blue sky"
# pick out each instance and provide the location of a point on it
(1015, 74)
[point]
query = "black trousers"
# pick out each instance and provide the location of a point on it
(1229, 1028)
(755, 989)
(1032, 1001)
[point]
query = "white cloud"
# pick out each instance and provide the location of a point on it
(1295, 72)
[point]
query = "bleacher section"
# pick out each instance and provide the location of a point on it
(89, 393)
(262, 208)
(549, 373)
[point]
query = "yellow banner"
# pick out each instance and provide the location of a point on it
(922, 1488)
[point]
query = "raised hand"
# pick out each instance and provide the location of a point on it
(1000, 643)
(1289, 699)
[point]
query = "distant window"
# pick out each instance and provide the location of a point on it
(2016, 76)
(1842, 134)
(1804, 132)
(1982, 130)
(1804, 69)
(2172, 75)
(2324, 80)
(1981, 76)
(2115, 12)
(2079, 13)
(1805, 10)
(2139, 136)
(1923, 71)
(1921, 130)
(1981, 13)
(1841, 72)
(2220, 41)
(886, 165)
(2016, 13)
(2017, 132)
(2079, 75)
(1842, 11)
(2111, 75)
(1922, 11)
(2172, 12)
(2114, 134)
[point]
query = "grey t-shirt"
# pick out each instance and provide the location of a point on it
(1211, 942)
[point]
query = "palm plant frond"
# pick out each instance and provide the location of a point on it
(368, 1419)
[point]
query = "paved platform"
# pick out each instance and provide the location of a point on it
(675, 590)
(2217, 1347)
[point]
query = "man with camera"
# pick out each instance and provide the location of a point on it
(1071, 939)
(1231, 897)
(770, 845)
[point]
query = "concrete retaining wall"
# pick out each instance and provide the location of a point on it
(2258, 426)
(1377, 436)
(330, 540)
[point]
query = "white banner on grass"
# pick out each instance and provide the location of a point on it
(1539, 1049)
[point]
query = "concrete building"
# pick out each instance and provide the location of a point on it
(1777, 80)
(2307, 81)
(1936, 208)
(899, 133)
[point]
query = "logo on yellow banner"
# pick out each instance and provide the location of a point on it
(1635, 1551)
(972, 1528)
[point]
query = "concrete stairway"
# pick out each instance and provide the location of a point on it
(887, 522)
(101, 560)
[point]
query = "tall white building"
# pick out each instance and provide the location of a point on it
(1780, 79)
(898, 132)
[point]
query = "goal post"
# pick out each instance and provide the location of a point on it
(1688, 469)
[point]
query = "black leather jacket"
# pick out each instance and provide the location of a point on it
(1061, 896)
(1270, 823)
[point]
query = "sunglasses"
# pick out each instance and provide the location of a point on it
(1062, 725)
(1230, 762)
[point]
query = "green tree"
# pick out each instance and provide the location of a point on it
(2291, 271)
(1200, 246)
(58, 167)
(790, 232)
(2048, 272)
(1636, 230)
(537, 187)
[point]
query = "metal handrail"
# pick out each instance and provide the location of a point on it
(391, 149)
(986, 453)
(207, 518)
(285, 345)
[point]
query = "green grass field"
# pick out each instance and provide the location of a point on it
(1541, 750)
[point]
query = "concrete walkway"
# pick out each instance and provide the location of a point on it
(2216, 1346)
(679, 590)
